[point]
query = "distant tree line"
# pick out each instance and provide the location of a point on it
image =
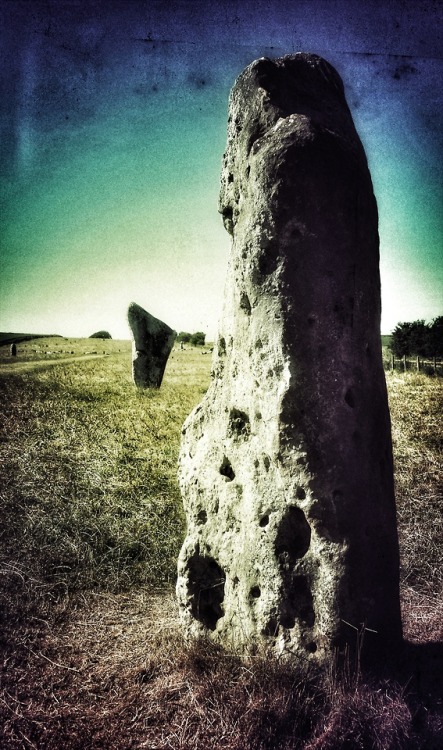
(196, 339)
(101, 335)
(418, 339)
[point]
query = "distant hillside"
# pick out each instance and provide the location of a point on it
(16, 338)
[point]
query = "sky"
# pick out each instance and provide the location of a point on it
(113, 121)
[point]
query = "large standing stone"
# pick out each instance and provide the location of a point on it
(151, 347)
(286, 465)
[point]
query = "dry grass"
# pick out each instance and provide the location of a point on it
(92, 654)
(118, 675)
(416, 403)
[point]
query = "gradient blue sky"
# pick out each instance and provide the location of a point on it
(113, 126)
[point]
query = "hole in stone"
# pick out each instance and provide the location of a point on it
(293, 537)
(235, 581)
(287, 620)
(258, 344)
(206, 587)
(245, 303)
(230, 177)
(349, 398)
(311, 320)
(307, 615)
(226, 469)
(248, 170)
(283, 559)
(258, 415)
(202, 517)
(311, 647)
(271, 627)
(255, 592)
(267, 263)
(267, 462)
(239, 423)
(264, 520)
(227, 213)
(300, 494)
(221, 346)
(297, 602)
(228, 219)
(256, 463)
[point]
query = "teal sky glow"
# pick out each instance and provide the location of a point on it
(113, 124)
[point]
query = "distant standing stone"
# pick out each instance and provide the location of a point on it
(13, 350)
(151, 347)
(286, 465)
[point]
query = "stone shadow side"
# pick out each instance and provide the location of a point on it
(151, 347)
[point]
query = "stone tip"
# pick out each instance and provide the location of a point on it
(301, 91)
(289, 76)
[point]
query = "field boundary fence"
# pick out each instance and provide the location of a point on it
(429, 366)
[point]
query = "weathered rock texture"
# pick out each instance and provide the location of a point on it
(151, 347)
(286, 465)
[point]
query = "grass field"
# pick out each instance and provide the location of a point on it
(92, 655)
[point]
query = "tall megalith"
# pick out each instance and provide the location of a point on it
(152, 341)
(286, 465)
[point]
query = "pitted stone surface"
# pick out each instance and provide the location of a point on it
(286, 465)
(151, 347)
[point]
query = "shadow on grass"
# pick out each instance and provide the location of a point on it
(422, 665)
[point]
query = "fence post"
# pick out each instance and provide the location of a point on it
(418, 364)
(404, 362)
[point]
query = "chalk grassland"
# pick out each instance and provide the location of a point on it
(92, 655)
(43, 351)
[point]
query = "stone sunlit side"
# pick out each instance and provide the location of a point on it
(286, 465)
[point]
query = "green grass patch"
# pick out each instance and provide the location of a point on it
(89, 495)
